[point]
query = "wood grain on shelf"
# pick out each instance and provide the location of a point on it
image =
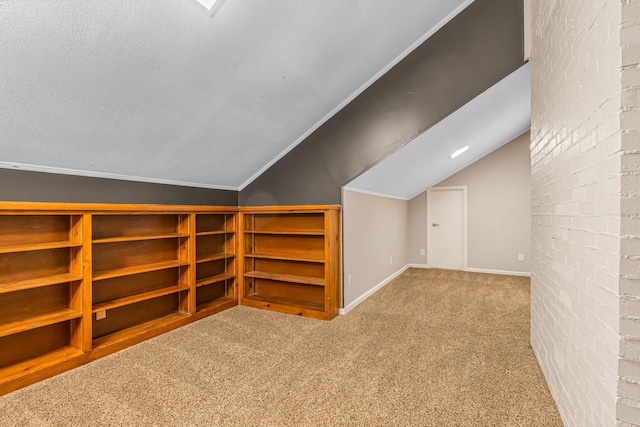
(123, 286)
(213, 279)
(287, 301)
(39, 363)
(213, 233)
(288, 245)
(285, 221)
(138, 332)
(217, 305)
(125, 271)
(288, 233)
(138, 238)
(20, 266)
(39, 282)
(315, 281)
(288, 208)
(34, 302)
(39, 247)
(131, 299)
(33, 229)
(215, 257)
(210, 222)
(285, 306)
(134, 225)
(283, 257)
(39, 321)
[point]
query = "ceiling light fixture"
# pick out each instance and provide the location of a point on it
(210, 6)
(458, 152)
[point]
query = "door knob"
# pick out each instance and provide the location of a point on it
(435, 225)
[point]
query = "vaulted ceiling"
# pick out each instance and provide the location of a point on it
(484, 124)
(155, 90)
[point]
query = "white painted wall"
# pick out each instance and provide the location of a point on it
(499, 210)
(629, 364)
(375, 229)
(576, 157)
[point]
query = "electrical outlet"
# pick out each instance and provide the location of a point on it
(348, 280)
(101, 314)
(422, 252)
(390, 260)
(520, 257)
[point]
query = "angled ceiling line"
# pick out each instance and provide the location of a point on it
(361, 89)
(487, 122)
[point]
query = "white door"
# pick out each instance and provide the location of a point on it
(447, 227)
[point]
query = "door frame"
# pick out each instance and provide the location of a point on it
(465, 238)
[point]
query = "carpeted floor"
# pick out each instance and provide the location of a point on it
(432, 348)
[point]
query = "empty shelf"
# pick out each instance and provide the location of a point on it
(286, 278)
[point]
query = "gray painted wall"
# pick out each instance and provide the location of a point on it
(475, 50)
(26, 186)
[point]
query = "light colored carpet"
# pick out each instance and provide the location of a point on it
(432, 348)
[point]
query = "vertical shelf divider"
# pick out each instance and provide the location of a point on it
(81, 264)
(192, 263)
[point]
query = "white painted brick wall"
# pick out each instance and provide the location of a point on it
(629, 366)
(577, 156)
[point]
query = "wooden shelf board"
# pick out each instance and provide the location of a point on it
(284, 257)
(213, 279)
(139, 238)
(39, 363)
(305, 280)
(217, 304)
(39, 246)
(132, 299)
(138, 332)
(215, 257)
(286, 301)
(39, 321)
(289, 233)
(127, 271)
(38, 283)
(213, 233)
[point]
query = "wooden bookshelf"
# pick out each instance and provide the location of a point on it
(80, 281)
(216, 263)
(41, 289)
(291, 259)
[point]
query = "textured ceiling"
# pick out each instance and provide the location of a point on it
(487, 122)
(155, 90)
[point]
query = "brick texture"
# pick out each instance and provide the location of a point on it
(578, 150)
(629, 367)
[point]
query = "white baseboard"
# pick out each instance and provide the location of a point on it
(502, 272)
(418, 266)
(372, 291)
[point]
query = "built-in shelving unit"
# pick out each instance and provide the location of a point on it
(41, 285)
(291, 259)
(81, 281)
(215, 260)
(141, 271)
(78, 282)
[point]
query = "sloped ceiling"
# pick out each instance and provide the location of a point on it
(485, 123)
(155, 90)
